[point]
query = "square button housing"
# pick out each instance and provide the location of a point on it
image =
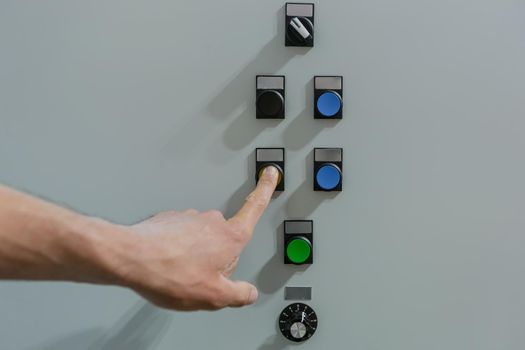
(328, 97)
(328, 169)
(299, 20)
(270, 96)
(298, 242)
(270, 156)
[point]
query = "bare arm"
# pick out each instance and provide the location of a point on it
(179, 260)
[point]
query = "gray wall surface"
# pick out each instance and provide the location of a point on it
(123, 108)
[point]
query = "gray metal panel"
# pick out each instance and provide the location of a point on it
(124, 108)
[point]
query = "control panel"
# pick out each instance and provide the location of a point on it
(397, 129)
(298, 321)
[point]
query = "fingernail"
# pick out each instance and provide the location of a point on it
(271, 171)
(253, 295)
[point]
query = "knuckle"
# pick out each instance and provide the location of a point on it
(165, 213)
(217, 300)
(217, 303)
(161, 216)
(231, 267)
(238, 232)
(215, 214)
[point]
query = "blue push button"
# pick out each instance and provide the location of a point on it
(328, 104)
(328, 177)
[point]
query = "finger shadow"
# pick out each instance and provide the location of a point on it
(275, 273)
(141, 328)
(245, 128)
(237, 199)
(276, 341)
(304, 128)
(304, 200)
(78, 340)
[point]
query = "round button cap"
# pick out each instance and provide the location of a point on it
(270, 103)
(329, 103)
(328, 177)
(298, 250)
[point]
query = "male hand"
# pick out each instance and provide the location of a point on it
(183, 260)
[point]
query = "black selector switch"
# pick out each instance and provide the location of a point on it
(299, 19)
(328, 169)
(328, 97)
(298, 242)
(270, 97)
(298, 322)
(265, 157)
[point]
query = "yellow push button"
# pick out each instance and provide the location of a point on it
(265, 157)
(278, 169)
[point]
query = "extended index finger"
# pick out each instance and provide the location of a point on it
(257, 201)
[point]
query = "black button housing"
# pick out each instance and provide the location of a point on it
(299, 19)
(270, 97)
(270, 156)
(331, 158)
(297, 229)
(328, 85)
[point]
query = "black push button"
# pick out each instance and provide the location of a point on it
(299, 19)
(270, 94)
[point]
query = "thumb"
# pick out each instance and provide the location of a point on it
(239, 293)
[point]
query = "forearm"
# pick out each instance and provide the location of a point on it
(41, 241)
(179, 260)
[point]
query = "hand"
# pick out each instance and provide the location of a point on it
(183, 260)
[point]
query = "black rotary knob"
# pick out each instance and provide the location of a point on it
(299, 31)
(298, 322)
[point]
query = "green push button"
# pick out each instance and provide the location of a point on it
(298, 250)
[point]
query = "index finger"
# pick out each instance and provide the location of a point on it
(257, 201)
